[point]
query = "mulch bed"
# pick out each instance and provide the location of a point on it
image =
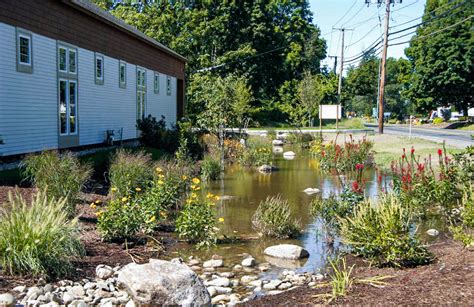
(449, 280)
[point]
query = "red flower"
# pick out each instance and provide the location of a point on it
(355, 187)
(403, 150)
(412, 150)
(421, 167)
(359, 166)
(323, 153)
(403, 156)
(379, 179)
(440, 152)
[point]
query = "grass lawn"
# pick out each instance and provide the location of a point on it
(390, 147)
(353, 123)
(468, 127)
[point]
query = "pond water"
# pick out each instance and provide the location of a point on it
(241, 191)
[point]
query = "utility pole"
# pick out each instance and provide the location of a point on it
(335, 63)
(383, 66)
(341, 66)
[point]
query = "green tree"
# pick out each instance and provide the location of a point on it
(442, 67)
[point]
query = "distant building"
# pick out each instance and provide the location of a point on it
(70, 72)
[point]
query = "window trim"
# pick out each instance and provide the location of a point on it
(141, 77)
(68, 62)
(22, 66)
(99, 80)
(68, 107)
(168, 85)
(156, 82)
(124, 83)
(68, 48)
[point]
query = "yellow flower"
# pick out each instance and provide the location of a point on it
(158, 170)
(221, 220)
(160, 182)
(138, 189)
(124, 199)
(217, 197)
(188, 201)
(196, 180)
(161, 176)
(97, 201)
(99, 213)
(114, 189)
(163, 214)
(152, 219)
(209, 195)
(93, 206)
(197, 188)
(194, 195)
(184, 177)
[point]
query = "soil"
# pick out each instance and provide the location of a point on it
(448, 280)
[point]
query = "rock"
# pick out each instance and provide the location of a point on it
(89, 286)
(223, 290)
(263, 267)
(318, 276)
(237, 268)
(7, 300)
(213, 263)
(227, 274)
(432, 232)
(256, 283)
(68, 297)
(289, 155)
(130, 303)
(194, 262)
(218, 282)
(19, 289)
(48, 288)
(212, 291)
(272, 285)
(311, 191)
(266, 168)
(78, 303)
(78, 291)
(51, 304)
(161, 282)
(275, 292)
(249, 262)
(42, 298)
(177, 260)
(286, 251)
(33, 293)
(104, 271)
(195, 268)
(248, 278)
(285, 285)
(312, 284)
(220, 298)
(277, 143)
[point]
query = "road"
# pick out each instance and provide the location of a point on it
(455, 138)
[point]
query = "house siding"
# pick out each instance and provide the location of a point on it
(28, 102)
(161, 104)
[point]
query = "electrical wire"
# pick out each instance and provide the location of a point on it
(404, 7)
(365, 35)
(434, 32)
(355, 25)
(347, 12)
(352, 17)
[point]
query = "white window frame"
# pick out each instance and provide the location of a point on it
(156, 82)
(122, 84)
(168, 85)
(30, 53)
(68, 107)
(99, 80)
(141, 77)
(73, 50)
(67, 63)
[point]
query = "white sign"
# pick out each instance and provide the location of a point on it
(330, 111)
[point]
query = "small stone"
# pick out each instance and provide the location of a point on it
(249, 262)
(213, 263)
(220, 298)
(41, 282)
(227, 274)
(312, 284)
(264, 266)
(237, 267)
(177, 260)
(78, 291)
(19, 289)
(78, 303)
(318, 276)
(209, 270)
(248, 278)
(52, 297)
(195, 268)
(102, 294)
(275, 292)
(7, 300)
(194, 262)
(256, 283)
(42, 298)
(104, 271)
(130, 303)
(432, 232)
(89, 285)
(218, 282)
(223, 290)
(284, 286)
(212, 291)
(272, 285)
(51, 304)
(286, 251)
(48, 288)
(68, 297)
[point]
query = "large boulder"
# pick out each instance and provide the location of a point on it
(286, 251)
(162, 282)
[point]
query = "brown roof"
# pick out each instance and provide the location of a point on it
(89, 8)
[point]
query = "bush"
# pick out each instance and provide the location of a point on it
(333, 156)
(273, 219)
(271, 134)
(438, 120)
(196, 222)
(446, 114)
(121, 219)
(299, 138)
(334, 208)
(155, 134)
(210, 168)
(37, 238)
(129, 170)
(463, 225)
(59, 176)
(256, 154)
(381, 232)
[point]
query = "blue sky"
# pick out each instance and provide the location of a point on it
(365, 22)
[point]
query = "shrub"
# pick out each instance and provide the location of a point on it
(256, 154)
(438, 120)
(59, 176)
(271, 134)
(273, 218)
(333, 156)
(155, 134)
(446, 114)
(463, 226)
(37, 238)
(334, 208)
(129, 170)
(381, 232)
(299, 138)
(196, 222)
(210, 168)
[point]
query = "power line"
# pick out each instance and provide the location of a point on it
(352, 17)
(347, 12)
(434, 32)
(365, 35)
(404, 7)
(355, 25)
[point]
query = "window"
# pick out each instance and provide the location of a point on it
(67, 60)
(24, 52)
(99, 69)
(122, 74)
(141, 77)
(141, 93)
(168, 85)
(67, 107)
(156, 83)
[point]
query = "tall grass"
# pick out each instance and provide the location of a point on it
(210, 168)
(382, 233)
(129, 170)
(37, 238)
(273, 218)
(59, 176)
